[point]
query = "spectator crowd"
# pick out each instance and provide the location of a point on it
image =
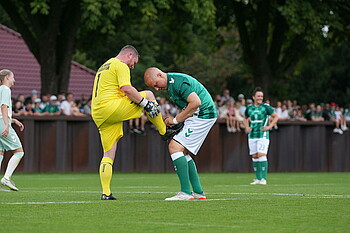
(230, 110)
(51, 105)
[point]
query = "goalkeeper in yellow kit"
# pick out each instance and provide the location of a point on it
(115, 100)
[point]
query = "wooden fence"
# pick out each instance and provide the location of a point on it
(72, 144)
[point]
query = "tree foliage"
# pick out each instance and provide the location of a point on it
(276, 35)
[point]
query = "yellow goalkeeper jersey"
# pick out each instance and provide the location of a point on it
(109, 79)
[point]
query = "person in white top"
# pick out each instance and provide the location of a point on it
(9, 140)
(67, 104)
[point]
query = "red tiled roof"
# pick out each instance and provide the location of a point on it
(16, 56)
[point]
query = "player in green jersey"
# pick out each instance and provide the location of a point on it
(256, 124)
(198, 115)
(9, 140)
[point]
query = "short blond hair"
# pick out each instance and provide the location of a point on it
(4, 73)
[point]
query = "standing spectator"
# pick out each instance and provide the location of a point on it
(239, 116)
(52, 108)
(75, 110)
(256, 124)
(226, 96)
(317, 115)
(18, 108)
(66, 105)
(28, 108)
(21, 98)
(87, 107)
(9, 140)
(36, 107)
(311, 111)
(347, 114)
(60, 98)
(45, 100)
(283, 114)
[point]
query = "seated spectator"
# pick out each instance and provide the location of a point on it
(18, 108)
(335, 116)
(230, 117)
(342, 119)
(239, 116)
(52, 108)
(317, 115)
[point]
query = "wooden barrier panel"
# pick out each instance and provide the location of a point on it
(72, 144)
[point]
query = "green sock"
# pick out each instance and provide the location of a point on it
(257, 170)
(194, 178)
(264, 168)
(181, 168)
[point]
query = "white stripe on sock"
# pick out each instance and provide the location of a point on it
(188, 157)
(176, 155)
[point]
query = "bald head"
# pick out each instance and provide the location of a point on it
(155, 78)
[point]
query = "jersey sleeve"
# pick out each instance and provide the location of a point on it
(123, 74)
(185, 90)
(246, 113)
(5, 96)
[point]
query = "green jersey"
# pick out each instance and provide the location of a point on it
(180, 86)
(259, 117)
(51, 108)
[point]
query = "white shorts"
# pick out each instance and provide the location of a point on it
(194, 133)
(259, 145)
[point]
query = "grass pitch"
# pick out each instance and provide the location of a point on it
(291, 202)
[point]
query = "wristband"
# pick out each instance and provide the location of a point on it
(143, 102)
(175, 121)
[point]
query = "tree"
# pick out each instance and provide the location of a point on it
(49, 28)
(277, 34)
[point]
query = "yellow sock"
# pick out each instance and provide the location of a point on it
(106, 170)
(159, 123)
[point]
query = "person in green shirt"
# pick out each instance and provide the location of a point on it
(52, 108)
(256, 122)
(198, 115)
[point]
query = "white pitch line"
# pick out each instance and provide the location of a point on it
(47, 202)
